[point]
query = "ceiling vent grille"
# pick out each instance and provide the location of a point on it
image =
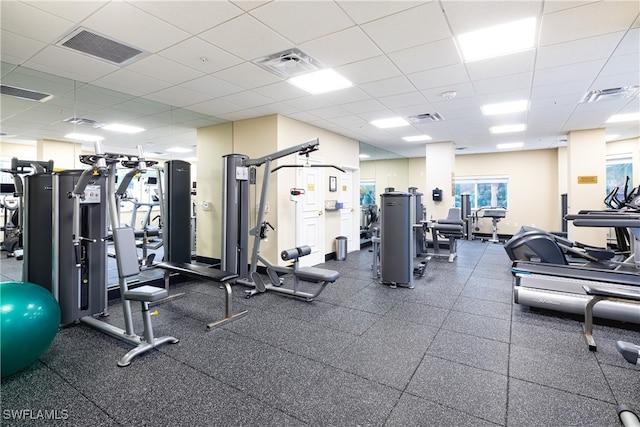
(84, 122)
(609, 94)
(289, 63)
(427, 117)
(17, 92)
(100, 47)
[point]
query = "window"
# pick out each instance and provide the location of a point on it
(485, 191)
(619, 167)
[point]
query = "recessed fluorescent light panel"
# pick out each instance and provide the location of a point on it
(364, 156)
(619, 118)
(498, 40)
(84, 137)
(392, 122)
(417, 138)
(505, 107)
(508, 128)
(322, 81)
(115, 127)
(509, 145)
(178, 150)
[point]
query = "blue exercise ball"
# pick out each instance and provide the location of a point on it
(29, 320)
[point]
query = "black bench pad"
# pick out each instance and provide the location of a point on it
(313, 274)
(198, 271)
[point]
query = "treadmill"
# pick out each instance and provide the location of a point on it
(543, 278)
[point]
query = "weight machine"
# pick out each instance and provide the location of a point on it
(237, 171)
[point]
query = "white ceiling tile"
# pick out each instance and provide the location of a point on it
(520, 62)
(438, 77)
(587, 21)
(386, 87)
(445, 105)
(573, 88)
(308, 102)
(280, 91)
(354, 46)
(630, 42)
(247, 76)
(65, 63)
(215, 107)
(178, 96)
(129, 82)
(345, 96)
(520, 83)
(464, 16)
(212, 86)
(79, 11)
(363, 106)
(462, 90)
(191, 52)
(16, 48)
(402, 100)
(164, 69)
(329, 112)
(409, 28)
(191, 16)
(567, 73)
(303, 20)
(369, 70)
(582, 50)
(31, 22)
(426, 57)
(554, 6)
(246, 99)
(609, 81)
(130, 25)
(246, 37)
(248, 5)
(362, 12)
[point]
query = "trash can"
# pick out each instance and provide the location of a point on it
(341, 248)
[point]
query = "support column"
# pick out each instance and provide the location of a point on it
(586, 156)
(440, 160)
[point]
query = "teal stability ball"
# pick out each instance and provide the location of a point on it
(29, 320)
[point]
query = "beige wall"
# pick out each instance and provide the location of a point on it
(256, 138)
(533, 196)
(213, 142)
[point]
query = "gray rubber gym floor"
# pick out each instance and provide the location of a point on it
(454, 351)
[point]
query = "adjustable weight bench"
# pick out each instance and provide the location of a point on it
(208, 274)
(631, 352)
(306, 274)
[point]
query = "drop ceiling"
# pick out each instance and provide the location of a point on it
(197, 69)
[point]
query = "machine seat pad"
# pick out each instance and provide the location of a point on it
(314, 274)
(633, 295)
(448, 228)
(198, 271)
(146, 293)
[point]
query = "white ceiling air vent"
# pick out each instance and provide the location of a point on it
(609, 94)
(18, 92)
(289, 63)
(100, 47)
(426, 117)
(84, 122)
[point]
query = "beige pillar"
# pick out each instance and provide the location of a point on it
(586, 187)
(440, 160)
(213, 143)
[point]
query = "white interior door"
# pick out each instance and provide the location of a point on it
(348, 211)
(310, 214)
